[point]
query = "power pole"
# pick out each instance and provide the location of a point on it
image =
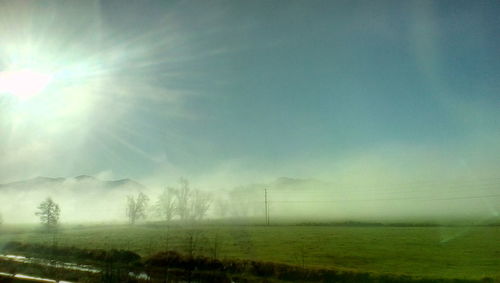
(266, 207)
(268, 214)
(266, 204)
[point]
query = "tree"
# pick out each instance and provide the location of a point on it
(200, 204)
(49, 211)
(188, 204)
(167, 204)
(221, 207)
(183, 196)
(240, 202)
(136, 207)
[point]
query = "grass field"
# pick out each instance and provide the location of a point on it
(436, 252)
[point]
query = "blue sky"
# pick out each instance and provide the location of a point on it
(249, 90)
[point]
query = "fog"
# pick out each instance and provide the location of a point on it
(340, 112)
(372, 188)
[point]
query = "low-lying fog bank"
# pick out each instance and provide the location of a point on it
(86, 199)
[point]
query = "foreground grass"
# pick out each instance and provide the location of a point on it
(435, 252)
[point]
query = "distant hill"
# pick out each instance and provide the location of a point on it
(82, 180)
(288, 185)
(33, 182)
(301, 184)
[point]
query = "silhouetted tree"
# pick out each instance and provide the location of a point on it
(240, 203)
(166, 205)
(221, 207)
(182, 197)
(191, 204)
(200, 204)
(136, 207)
(49, 211)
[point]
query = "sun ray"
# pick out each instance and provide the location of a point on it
(24, 84)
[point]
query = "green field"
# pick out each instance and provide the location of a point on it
(436, 252)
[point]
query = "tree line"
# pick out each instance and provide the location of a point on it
(174, 203)
(182, 202)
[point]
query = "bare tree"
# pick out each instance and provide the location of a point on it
(136, 207)
(49, 211)
(239, 203)
(200, 204)
(182, 197)
(166, 205)
(221, 207)
(188, 204)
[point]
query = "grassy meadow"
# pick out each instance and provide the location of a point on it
(434, 252)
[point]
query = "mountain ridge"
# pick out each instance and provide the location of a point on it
(52, 181)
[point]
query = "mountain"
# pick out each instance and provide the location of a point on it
(78, 181)
(85, 178)
(301, 184)
(123, 182)
(81, 198)
(38, 181)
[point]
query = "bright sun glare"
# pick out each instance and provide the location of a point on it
(24, 84)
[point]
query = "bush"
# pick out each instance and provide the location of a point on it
(116, 256)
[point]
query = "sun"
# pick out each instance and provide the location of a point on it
(24, 83)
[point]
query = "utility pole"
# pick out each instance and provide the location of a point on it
(266, 204)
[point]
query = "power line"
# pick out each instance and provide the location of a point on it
(386, 199)
(428, 183)
(449, 187)
(475, 185)
(487, 189)
(268, 201)
(452, 189)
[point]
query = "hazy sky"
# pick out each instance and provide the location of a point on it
(237, 91)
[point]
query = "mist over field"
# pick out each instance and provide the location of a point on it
(86, 199)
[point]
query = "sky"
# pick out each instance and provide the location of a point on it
(231, 92)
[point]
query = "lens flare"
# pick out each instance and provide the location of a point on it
(24, 84)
